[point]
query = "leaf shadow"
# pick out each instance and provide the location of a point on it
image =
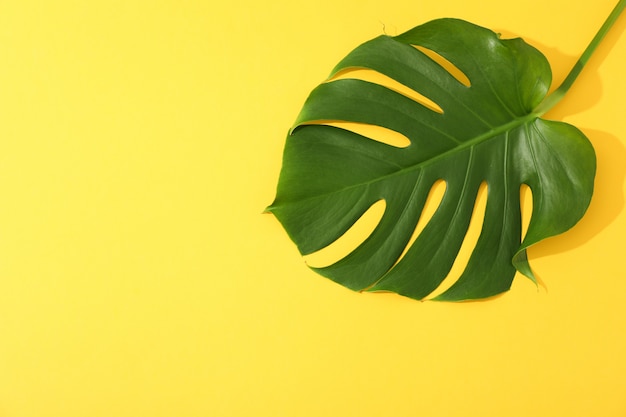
(587, 89)
(606, 204)
(608, 199)
(561, 64)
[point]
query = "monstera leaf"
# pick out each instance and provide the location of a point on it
(484, 127)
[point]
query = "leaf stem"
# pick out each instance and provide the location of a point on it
(558, 94)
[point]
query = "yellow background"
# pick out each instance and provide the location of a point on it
(139, 143)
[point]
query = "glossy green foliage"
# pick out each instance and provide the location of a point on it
(486, 131)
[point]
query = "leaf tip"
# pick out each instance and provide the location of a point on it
(269, 209)
(520, 262)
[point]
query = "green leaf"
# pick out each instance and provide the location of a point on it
(489, 131)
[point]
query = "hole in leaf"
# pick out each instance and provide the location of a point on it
(350, 240)
(373, 132)
(447, 65)
(433, 201)
(376, 77)
(526, 205)
(469, 242)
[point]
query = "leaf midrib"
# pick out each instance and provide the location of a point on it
(490, 134)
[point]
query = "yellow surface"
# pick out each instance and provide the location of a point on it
(140, 142)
